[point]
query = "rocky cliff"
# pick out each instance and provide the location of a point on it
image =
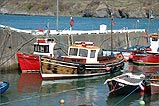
(85, 8)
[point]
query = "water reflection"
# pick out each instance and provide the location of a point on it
(30, 89)
(132, 100)
(3, 99)
(144, 69)
(70, 84)
(78, 91)
(29, 82)
(151, 100)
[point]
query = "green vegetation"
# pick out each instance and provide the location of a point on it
(94, 8)
(29, 6)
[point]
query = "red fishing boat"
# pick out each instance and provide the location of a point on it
(31, 62)
(148, 56)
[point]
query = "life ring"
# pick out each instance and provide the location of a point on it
(81, 68)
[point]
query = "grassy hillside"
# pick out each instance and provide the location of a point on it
(93, 8)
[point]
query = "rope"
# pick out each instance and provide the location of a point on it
(134, 90)
(17, 49)
(62, 44)
(6, 38)
(41, 96)
(126, 96)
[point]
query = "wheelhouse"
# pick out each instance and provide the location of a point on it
(85, 50)
(44, 47)
(154, 40)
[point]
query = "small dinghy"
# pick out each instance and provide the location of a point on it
(4, 86)
(126, 83)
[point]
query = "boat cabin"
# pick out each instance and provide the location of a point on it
(44, 47)
(154, 40)
(84, 50)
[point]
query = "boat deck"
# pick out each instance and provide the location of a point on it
(132, 80)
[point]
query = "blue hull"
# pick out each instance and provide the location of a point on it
(4, 86)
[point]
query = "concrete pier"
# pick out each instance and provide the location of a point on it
(13, 40)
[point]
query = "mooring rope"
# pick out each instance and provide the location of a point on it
(127, 96)
(135, 89)
(4, 43)
(17, 49)
(42, 95)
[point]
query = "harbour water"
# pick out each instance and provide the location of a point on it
(30, 89)
(80, 23)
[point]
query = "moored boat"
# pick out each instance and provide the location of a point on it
(153, 83)
(126, 83)
(83, 60)
(3, 86)
(148, 57)
(127, 51)
(31, 62)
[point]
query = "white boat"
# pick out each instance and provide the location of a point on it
(125, 84)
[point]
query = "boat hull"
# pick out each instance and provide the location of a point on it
(145, 58)
(28, 62)
(4, 87)
(154, 89)
(153, 83)
(56, 69)
(119, 88)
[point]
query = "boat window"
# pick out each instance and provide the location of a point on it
(73, 51)
(83, 52)
(154, 39)
(92, 54)
(46, 48)
(41, 48)
(50, 40)
(35, 48)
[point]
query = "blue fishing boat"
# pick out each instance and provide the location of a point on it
(4, 86)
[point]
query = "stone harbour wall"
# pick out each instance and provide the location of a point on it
(12, 41)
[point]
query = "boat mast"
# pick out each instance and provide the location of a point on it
(57, 15)
(111, 26)
(111, 33)
(149, 22)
